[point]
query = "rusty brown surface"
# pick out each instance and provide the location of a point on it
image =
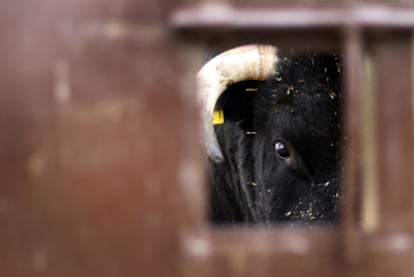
(101, 166)
(320, 3)
(392, 73)
(219, 15)
(354, 126)
(293, 252)
(95, 149)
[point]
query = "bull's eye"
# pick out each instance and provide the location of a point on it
(281, 150)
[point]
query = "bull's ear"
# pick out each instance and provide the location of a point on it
(236, 105)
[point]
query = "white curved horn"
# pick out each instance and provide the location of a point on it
(250, 62)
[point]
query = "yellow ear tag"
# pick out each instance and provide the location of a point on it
(218, 117)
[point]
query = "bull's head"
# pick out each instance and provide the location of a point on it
(288, 170)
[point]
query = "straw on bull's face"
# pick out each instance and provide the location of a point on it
(275, 156)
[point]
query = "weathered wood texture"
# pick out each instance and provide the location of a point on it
(102, 171)
(98, 144)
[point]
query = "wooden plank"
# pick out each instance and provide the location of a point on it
(292, 252)
(98, 144)
(219, 16)
(392, 73)
(353, 105)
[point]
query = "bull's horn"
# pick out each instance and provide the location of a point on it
(250, 62)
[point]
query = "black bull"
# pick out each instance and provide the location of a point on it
(281, 143)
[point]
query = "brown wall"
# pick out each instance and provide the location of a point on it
(102, 172)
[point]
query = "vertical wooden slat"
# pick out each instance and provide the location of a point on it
(392, 73)
(369, 191)
(353, 125)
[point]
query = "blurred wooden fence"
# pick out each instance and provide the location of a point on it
(102, 173)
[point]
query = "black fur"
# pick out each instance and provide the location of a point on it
(299, 106)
